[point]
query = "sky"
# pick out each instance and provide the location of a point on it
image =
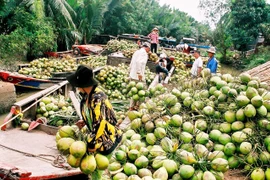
(188, 6)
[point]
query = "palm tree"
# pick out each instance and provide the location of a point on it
(62, 14)
(89, 19)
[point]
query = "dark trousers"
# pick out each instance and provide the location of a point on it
(154, 48)
(160, 69)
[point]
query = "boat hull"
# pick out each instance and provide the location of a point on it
(25, 81)
(33, 154)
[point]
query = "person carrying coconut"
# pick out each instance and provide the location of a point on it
(197, 65)
(97, 113)
(212, 63)
(137, 66)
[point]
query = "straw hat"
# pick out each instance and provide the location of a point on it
(155, 29)
(212, 50)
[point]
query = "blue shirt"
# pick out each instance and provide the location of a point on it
(212, 65)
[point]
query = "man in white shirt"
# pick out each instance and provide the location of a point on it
(137, 68)
(197, 65)
(138, 63)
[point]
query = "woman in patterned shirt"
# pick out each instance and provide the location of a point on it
(97, 112)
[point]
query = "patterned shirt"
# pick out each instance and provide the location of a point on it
(101, 121)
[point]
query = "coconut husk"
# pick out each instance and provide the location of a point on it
(262, 72)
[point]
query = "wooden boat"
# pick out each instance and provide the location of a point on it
(32, 155)
(25, 81)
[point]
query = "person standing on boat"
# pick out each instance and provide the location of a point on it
(97, 113)
(212, 63)
(154, 40)
(197, 65)
(137, 67)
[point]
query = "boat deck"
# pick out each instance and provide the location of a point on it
(34, 142)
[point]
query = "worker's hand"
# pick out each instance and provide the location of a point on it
(80, 124)
(140, 77)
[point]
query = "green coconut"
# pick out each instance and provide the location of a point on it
(158, 162)
(239, 137)
(207, 175)
(208, 110)
(220, 164)
(245, 147)
(257, 174)
(133, 154)
(242, 100)
(251, 92)
(229, 116)
(214, 135)
(202, 138)
(184, 95)
(227, 77)
(88, 164)
(229, 149)
(257, 101)
(170, 166)
(133, 115)
(200, 150)
(214, 80)
(130, 169)
(225, 127)
(245, 78)
(240, 115)
(237, 126)
(253, 83)
(141, 162)
(232, 93)
(144, 172)
(176, 120)
(224, 139)
(250, 111)
(120, 176)
(201, 124)
(161, 174)
(262, 111)
(215, 154)
(186, 171)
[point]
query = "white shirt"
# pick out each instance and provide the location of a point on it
(138, 63)
(197, 64)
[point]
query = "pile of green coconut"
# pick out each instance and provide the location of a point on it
(198, 130)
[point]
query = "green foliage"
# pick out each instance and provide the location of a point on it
(140, 17)
(259, 58)
(31, 36)
(247, 16)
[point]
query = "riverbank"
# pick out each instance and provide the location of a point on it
(21, 94)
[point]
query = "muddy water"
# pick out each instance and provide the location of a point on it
(20, 94)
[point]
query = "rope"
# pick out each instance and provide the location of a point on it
(57, 161)
(9, 175)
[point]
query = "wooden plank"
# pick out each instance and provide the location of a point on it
(40, 94)
(154, 82)
(75, 103)
(166, 81)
